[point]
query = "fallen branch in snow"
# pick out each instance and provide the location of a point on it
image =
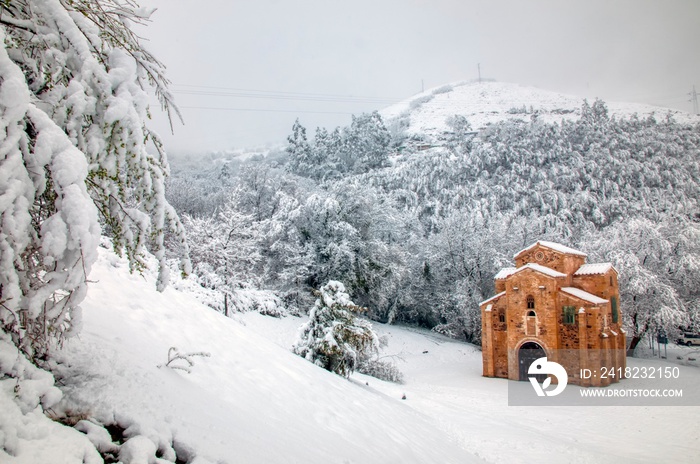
(174, 356)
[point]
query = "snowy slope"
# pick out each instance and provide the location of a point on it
(250, 401)
(490, 102)
(443, 380)
(253, 401)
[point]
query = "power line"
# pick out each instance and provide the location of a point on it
(283, 97)
(262, 110)
(279, 95)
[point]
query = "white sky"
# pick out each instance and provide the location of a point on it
(230, 54)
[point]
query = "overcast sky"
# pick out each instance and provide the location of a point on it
(322, 60)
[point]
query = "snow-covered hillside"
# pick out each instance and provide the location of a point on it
(490, 102)
(253, 401)
(250, 401)
(443, 381)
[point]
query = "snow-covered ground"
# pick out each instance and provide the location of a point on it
(490, 102)
(443, 381)
(253, 401)
(250, 401)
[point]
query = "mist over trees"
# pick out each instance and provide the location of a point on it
(417, 236)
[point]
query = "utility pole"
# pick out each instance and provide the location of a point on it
(478, 68)
(694, 100)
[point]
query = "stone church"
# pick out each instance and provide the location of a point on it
(554, 304)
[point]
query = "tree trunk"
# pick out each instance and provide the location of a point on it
(633, 344)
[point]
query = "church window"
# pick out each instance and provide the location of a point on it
(501, 317)
(615, 312)
(569, 315)
(531, 326)
(530, 302)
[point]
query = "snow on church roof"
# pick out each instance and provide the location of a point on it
(554, 246)
(578, 293)
(594, 268)
(540, 268)
(505, 272)
(493, 298)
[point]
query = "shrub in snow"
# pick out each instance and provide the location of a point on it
(73, 139)
(210, 289)
(381, 369)
(444, 89)
(183, 361)
(334, 337)
(418, 102)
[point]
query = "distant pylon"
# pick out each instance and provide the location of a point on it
(694, 99)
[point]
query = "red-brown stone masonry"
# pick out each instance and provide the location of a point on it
(494, 343)
(500, 285)
(543, 289)
(487, 342)
(568, 333)
(551, 332)
(564, 263)
(599, 284)
(592, 318)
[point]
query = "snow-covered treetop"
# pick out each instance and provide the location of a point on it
(333, 293)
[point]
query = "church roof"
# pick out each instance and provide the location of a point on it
(539, 268)
(553, 246)
(493, 298)
(505, 272)
(583, 295)
(594, 268)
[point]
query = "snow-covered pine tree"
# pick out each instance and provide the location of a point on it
(366, 143)
(299, 150)
(73, 107)
(334, 337)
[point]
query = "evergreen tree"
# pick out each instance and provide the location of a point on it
(299, 150)
(334, 337)
(366, 143)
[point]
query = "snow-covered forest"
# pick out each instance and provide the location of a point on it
(417, 235)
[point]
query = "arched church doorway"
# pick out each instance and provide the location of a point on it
(526, 355)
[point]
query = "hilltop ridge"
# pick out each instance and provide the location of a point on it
(484, 103)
